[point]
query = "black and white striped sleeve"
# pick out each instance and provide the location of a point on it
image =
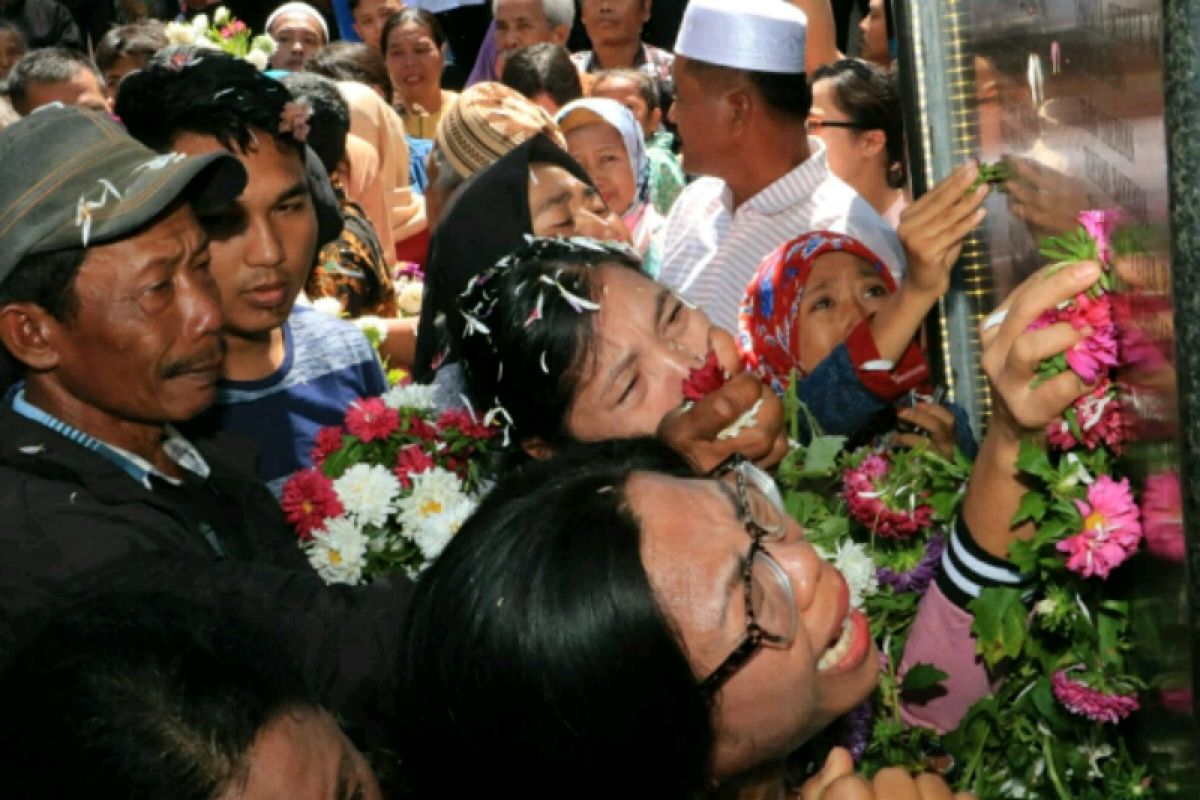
(967, 569)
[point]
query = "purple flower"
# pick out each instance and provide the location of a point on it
(856, 729)
(919, 577)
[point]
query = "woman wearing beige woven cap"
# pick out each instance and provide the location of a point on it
(488, 120)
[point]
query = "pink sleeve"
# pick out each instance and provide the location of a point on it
(941, 636)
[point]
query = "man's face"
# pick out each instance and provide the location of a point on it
(613, 22)
(11, 50)
(145, 344)
(698, 113)
(520, 23)
(81, 89)
(263, 244)
(298, 38)
(370, 16)
(629, 94)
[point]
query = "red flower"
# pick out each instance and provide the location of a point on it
(308, 500)
(412, 460)
(329, 441)
(371, 419)
(869, 503)
(421, 429)
(706, 379)
(465, 422)
(1098, 414)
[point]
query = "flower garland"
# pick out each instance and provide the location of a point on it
(1052, 728)
(389, 487)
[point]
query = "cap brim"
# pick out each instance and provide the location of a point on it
(208, 181)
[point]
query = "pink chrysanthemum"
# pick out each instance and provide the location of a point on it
(371, 419)
(412, 460)
(465, 422)
(1098, 414)
(1100, 225)
(1162, 515)
(866, 501)
(308, 500)
(1111, 530)
(1079, 698)
(328, 442)
(1092, 358)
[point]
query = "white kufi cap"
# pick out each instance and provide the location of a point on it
(755, 35)
(298, 8)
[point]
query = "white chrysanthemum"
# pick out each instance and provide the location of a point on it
(433, 536)
(339, 552)
(205, 43)
(259, 59)
(368, 493)
(856, 566)
(200, 23)
(414, 395)
(436, 495)
(221, 16)
(264, 44)
(328, 305)
(179, 33)
(409, 297)
(374, 328)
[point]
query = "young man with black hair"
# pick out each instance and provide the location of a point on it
(126, 48)
(56, 75)
(545, 74)
(289, 371)
(742, 116)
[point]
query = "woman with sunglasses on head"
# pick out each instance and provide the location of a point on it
(608, 625)
(856, 113)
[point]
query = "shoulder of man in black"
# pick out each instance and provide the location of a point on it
(76, 525)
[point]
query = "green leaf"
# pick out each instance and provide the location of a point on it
(823, 452)
(1033, 459)
(999, 625)
(1033, 507)
(922, 677)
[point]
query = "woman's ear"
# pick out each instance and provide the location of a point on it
(537, 448)
(872, 142)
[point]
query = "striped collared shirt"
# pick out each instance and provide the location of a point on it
(710, 251)
(177, 448)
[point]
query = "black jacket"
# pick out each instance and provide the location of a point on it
(43, 23)
(73, 524)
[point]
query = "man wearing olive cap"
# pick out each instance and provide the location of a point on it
(113, 325)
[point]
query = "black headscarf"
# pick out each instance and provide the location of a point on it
(486, 220)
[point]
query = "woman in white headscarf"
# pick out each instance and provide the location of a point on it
(606, 140)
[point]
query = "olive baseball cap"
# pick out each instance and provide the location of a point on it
(72, 177)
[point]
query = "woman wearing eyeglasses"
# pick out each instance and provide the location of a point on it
(609, 625)
(856, 112)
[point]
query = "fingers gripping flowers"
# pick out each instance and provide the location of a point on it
(708, 378)
(389, 487)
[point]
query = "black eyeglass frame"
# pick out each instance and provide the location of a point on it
(755, 635)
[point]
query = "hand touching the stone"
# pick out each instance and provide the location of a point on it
(933, 228)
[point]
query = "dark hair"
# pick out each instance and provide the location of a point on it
(787, 94)
(46, 280)
(141, 39)
(46, 65)
(869, 96)
(416, 16)
(330, 120)
(543, 67)
(205, 92)
(150, 697)
(352, 61)
(538, 658)
(647, 85)
(538, 339)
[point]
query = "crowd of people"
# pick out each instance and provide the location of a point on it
(631, 611)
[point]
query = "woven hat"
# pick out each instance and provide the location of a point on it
(488, 120)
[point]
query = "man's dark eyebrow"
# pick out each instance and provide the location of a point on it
(733, 576)
(292, 192)
(557, 200)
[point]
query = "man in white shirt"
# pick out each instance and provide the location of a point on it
(741, 103)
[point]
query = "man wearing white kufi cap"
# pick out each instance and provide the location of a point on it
(300, 31)
(741, 103)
